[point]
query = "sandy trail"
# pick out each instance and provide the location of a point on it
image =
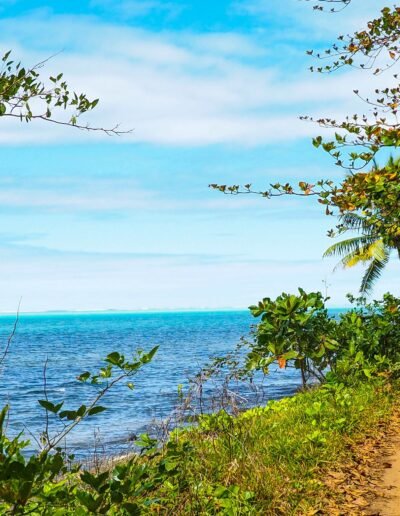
(389, 503)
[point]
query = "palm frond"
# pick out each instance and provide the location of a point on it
(349, 260)
(348, 246)
(354, 222)
(377, 250)
(374, 250)
(373, 272)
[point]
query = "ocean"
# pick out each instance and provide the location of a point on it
(77, 342)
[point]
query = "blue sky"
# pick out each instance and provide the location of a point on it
(213, 91)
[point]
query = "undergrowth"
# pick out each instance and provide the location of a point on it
(267, 460)
(275, 457)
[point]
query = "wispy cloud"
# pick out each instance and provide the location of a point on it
(180, 89)
(134, 226)
(72, 282)
(117, 195)
(297, 15)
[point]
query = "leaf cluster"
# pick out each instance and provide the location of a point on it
(118, 369)
(293, 329)
(364, 47)
(25, 96)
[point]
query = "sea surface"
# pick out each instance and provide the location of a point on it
(74, 343)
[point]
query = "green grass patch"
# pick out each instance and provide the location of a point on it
(273, 459)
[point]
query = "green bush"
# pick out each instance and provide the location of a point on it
(369, 339)
(296, 330)
(293, 329)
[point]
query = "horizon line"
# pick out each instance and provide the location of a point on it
(135, 311)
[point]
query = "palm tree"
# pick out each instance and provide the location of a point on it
(364, 248)
(367, 247)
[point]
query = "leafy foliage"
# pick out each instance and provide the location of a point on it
(282, 453)
(293, 329)
(227, 465)
(24, 95)
(44, 482)
(378, 40)
(338, 5)
(117, 370)
(296, 331)
(369, 339)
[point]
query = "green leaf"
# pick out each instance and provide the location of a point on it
(132, 509)
(317, 141)
(170, 465)
(81, 410)
(71, 415)
(51, 407)
(84, 376)
(96, 410)
(291, 354)
(148, 356)
(114, 358)
(367, 373)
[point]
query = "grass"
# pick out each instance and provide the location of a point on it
(282, 459)
(273, 460)
(309, 454)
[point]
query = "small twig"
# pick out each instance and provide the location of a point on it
(46, 430)
(112, 131)
(32, 435)
(11, 336)
(52, 443)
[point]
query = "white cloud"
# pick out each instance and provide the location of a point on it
(87, 198)
(175, 88)
(122, 195)
(298, 15)
(103, 281)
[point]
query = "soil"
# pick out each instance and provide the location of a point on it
(388, 503)
(369, 484)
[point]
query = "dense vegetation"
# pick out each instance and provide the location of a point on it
(267, 460)
(275, 459)
(271, 460)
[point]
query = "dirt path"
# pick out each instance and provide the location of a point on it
(369, 485)
(388, 503)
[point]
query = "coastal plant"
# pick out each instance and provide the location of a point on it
(45, 480)
(294, 329)
(360, 343)
(369, 245)
(279, 455)
(369, 339)
(118, 369)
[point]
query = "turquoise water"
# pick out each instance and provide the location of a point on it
(73, 343)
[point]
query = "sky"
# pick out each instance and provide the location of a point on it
(212, 92)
